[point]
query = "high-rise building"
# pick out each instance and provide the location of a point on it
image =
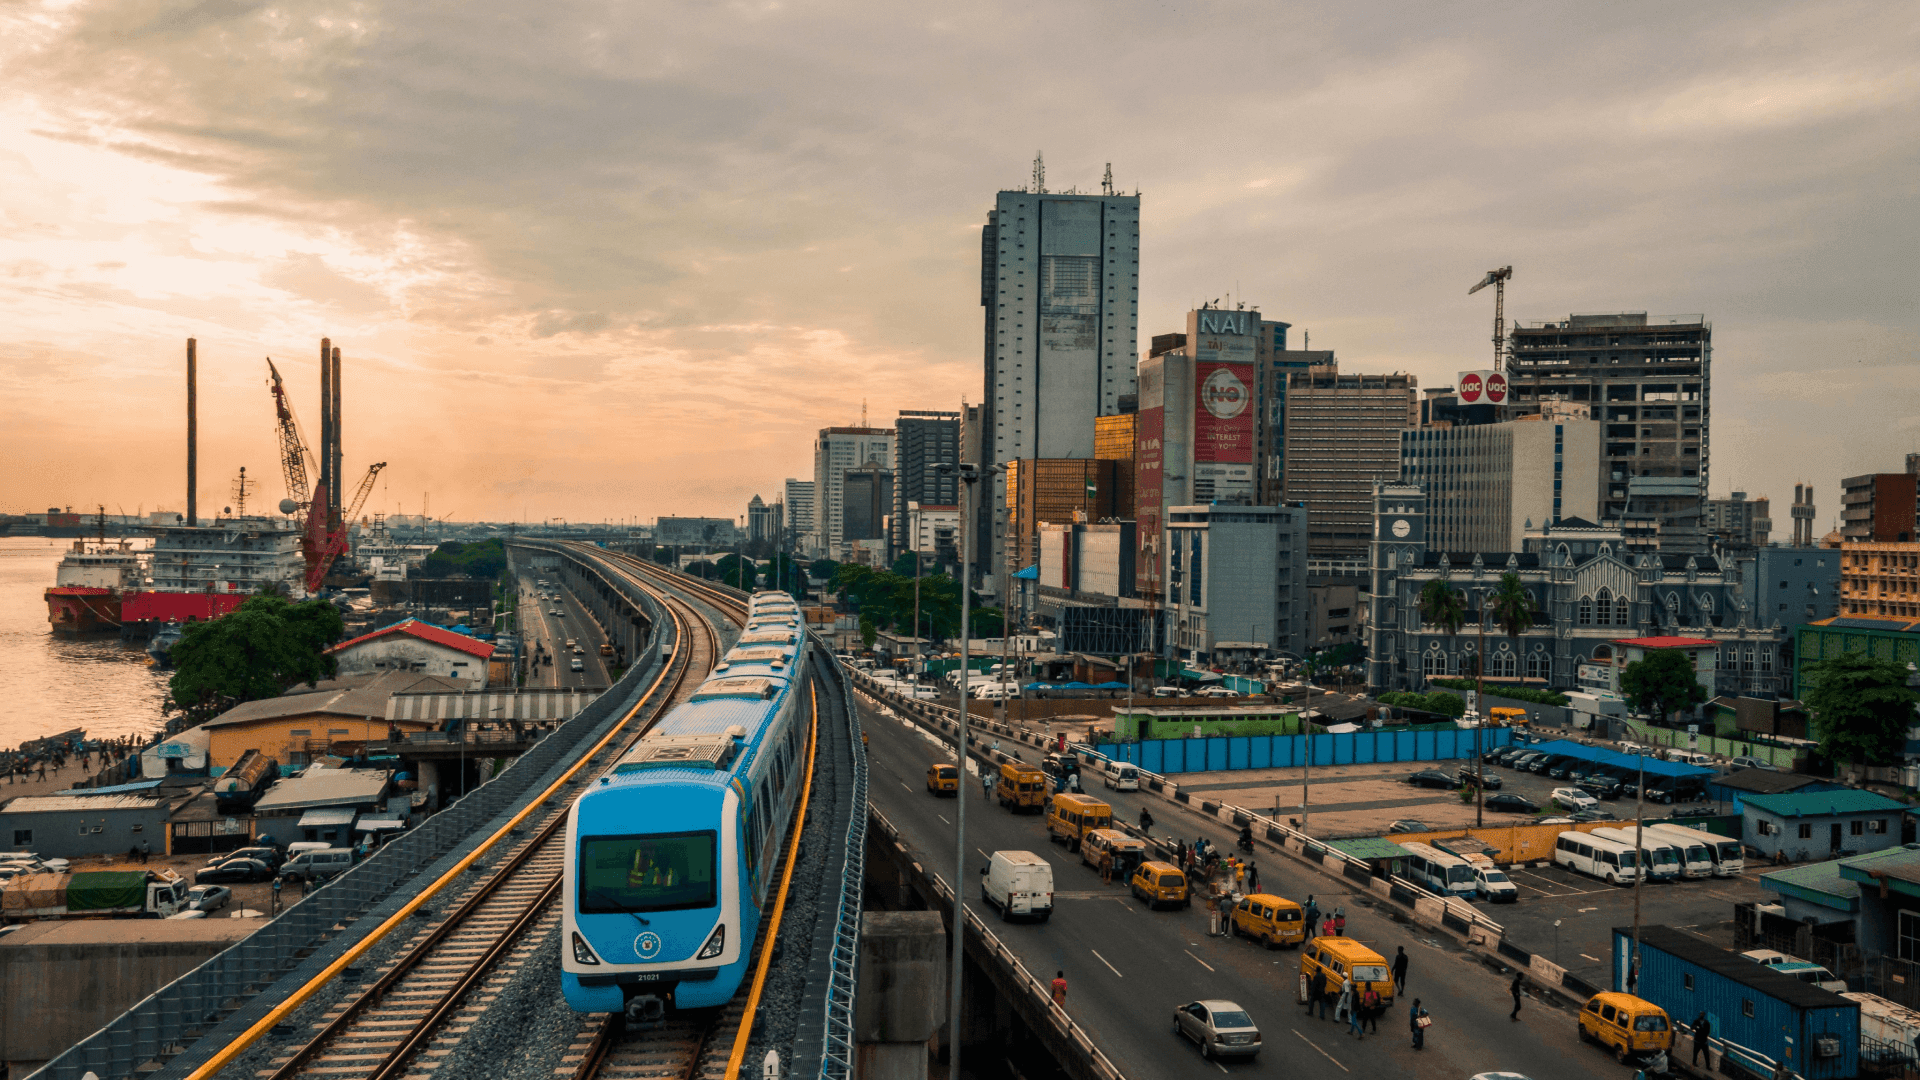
(1343, 435)
(1878, 508)
(1055, 491)
(799, 517)
(933, 532)
(1236, 581)
(762, 526)
(835, 451)
(1115, 439)
(866, 501)
(1739, 522)
(1649, 382)
(1803, 515)
(1488, 485)
(1274, 365)
(1060, 282)
(924, 441)
(1199, 425)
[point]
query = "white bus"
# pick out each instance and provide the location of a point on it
(1438, 872)
(1729, 857)
(1609, 860)
(1663, 859)
(1695, 860)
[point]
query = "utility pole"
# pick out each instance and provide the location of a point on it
(1479, 719)
(968, 476)
(1640, 866)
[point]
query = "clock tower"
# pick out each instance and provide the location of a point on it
(1399, 535)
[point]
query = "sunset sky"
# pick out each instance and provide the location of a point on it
(616, 260)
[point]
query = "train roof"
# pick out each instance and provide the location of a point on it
(712, 737)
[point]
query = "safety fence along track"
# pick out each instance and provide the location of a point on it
(474, 927)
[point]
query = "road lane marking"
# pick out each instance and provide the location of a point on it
(1323, 1053)
(942, 817)
(1584, 910)
(1102, 959)
(1221, 1067)
(1595, 959)
(1121, 902)
(1197, 960)
(906, 785)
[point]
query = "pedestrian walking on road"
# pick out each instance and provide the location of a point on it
(1519, 983)
(1146, 822)
(1351, 1002)
(1312, 916)
(1317, 994)
(1060, 989)
(1371, 1008)
(1253, 877)
(1339, 922)
(1419, 1021)
(1703, 1028)
(986, 785)
(1400, 970)
(146, 849)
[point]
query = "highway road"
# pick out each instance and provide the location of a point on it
(1128, 967)
(538, 623)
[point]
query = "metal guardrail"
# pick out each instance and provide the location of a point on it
(837, 1061)
(183, 1022)
(1059, 1018)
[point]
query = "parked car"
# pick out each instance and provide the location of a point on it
(1745, 762)
(208, 897)
(1490, 883)
(1600, 813)
(1487, 780)
(1574, 799)
(1695, 811)
(1813, 975)
(1219, 1028)
(1554, 821)
(270, 855)
(1513, 804)
(1532, 761)
(233, 871)
(1558, 770)
(1409, 825)
(1219, 692)
(1600, 787)
(1433, 778)
(1771, 957)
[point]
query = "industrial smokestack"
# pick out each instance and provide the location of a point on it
(193, 436)
(339, 501)
(326, 424)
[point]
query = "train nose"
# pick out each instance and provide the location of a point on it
(646, 1009)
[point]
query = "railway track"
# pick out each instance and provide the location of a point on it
(417, 1007)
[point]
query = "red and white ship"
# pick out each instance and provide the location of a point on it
(201, 573)
(90, 585)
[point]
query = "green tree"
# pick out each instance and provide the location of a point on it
(867, 632)
(701, 568)
(1862, 708)
(1443, 606)
(903, 565)
(822, 569)
(1662, 684)
(484, 560)
(259, 650)
(1511, 607)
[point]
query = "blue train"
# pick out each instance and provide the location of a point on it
(674, 850)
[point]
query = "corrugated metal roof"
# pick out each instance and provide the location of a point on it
(325, 816)
(1369, 847)
(1736, 968)
(533, 703)
(425, 632)
(1823, 803)
(87, 804)
(322, 787)
(1766, 781)
(1817, 883)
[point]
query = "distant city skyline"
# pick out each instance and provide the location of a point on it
(568, 281)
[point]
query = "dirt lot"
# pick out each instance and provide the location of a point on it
(258, 896)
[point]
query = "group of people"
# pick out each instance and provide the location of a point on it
(1330, 923)
(1360, 1006)
(36, 759)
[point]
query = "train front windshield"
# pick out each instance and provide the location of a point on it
(658, 872)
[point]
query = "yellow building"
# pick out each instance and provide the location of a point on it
(305, 722)
(1880, 580)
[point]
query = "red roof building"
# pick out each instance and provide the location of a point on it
(418, 647)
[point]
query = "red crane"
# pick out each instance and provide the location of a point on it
(320, 544)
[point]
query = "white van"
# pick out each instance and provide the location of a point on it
(996, 691)
(1120, 776)
(1018, 883)
(319, 865)
(1438, 872)
(1691, 757)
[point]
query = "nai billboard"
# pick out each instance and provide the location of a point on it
(1223, 355)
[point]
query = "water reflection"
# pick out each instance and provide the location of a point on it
(50, 683)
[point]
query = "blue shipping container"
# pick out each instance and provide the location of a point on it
(1816, 1031)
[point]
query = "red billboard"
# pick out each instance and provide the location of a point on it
(1483, 388)
(1223, 413)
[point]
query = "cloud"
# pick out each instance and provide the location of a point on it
(622, 260)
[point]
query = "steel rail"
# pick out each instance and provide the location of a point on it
(676, 667)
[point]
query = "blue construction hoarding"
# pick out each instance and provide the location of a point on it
(1229, 752)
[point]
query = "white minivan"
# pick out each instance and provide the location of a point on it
(1018, 883)
(319, 865)
(1121, 776)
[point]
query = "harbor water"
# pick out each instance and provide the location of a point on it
(50, 684)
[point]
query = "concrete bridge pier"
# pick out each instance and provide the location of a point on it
(902, 999)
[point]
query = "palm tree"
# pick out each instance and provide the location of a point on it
(1444, 607)
(1512, 607)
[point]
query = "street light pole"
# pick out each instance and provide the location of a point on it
(968, 476)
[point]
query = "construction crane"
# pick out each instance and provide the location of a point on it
(336, 541)
(293, 449)
(1497, 279)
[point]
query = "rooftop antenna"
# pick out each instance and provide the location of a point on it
(241, 487)
(1039, 173)
(1106, 182)
(863, 412)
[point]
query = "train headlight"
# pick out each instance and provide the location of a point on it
(715, 944)
(582, 954)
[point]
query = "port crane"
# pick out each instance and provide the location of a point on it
(321, 541)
